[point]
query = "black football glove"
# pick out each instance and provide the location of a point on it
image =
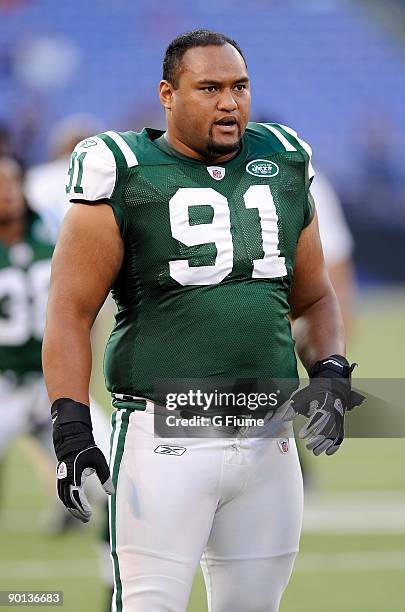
(78, 456)
(325, 401)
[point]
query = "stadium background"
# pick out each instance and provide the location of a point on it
(332, 69)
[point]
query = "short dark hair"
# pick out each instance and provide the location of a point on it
(197, 38)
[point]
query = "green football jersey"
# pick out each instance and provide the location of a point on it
(24, 283)
(209, 254)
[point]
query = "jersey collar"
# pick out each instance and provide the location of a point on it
(157, 139)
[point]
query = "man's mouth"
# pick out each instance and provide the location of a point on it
(226, 125)
(226, 121)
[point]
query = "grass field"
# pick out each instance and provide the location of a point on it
(352, 556)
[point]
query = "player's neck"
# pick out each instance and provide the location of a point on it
(182, 148)
(12, 231)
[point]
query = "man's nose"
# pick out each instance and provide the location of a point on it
(226, 101)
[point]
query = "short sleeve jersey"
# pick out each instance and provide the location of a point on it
(209, 254)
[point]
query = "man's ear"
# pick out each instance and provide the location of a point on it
(165, 94)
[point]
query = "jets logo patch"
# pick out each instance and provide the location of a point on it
(89, 142)
(216, 172)
(263, 168)
(62, 471)
(163, 449)
(284, 446)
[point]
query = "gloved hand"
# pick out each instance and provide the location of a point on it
(78, 456)
(324, 402)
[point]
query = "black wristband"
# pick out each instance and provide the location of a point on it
(335, 366)
(65, 410)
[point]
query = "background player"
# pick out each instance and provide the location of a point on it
(337, 245)
(26, 249)
(45, 183)
(25, 252)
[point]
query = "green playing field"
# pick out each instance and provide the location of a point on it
(353, 546)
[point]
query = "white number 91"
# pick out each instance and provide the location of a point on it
(271, 265)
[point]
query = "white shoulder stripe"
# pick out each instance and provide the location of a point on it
(287, 145)
(105, 150)
(129, 155)
(306, 147)
(303, 144)
(289, 130)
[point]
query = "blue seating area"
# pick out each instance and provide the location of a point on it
(323, 67)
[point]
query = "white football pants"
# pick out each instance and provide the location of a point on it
(235, 504)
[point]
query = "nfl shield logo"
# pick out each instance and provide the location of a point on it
(284, 446)
(216, 172)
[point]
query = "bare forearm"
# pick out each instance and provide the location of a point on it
(319, 331)
(66, 357)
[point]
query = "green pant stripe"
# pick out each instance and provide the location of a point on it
(116, 462)
(113, 426)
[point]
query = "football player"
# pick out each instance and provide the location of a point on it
(25, 264)
(45, 183)
(208, 238)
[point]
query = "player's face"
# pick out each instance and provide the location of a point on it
(12, 205)
(209, 110)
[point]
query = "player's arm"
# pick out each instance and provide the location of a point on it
(86, 261)
(318, 330)
(317, 323)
